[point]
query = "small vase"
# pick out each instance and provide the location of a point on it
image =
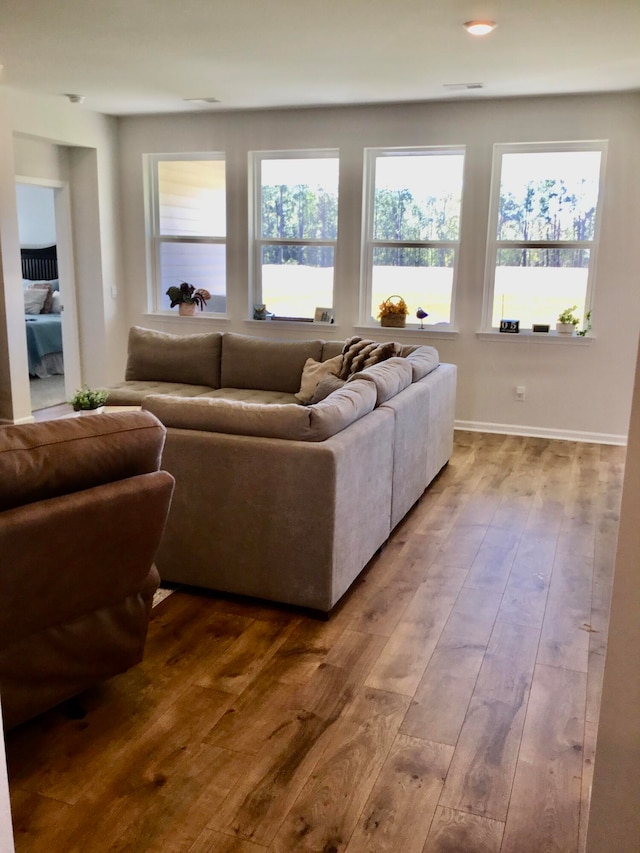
(187, 309)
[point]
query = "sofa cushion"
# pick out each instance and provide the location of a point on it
(423, 359)
(162, 357)
(132, 393)
(250, 395)
(265, 365)
(298, 423)
(326, 386)
(70, 454)
(358, 354)
(312, 372)
(389, 377)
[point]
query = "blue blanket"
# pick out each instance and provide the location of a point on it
(44, 335)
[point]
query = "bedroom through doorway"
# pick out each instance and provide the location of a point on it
(42, 298)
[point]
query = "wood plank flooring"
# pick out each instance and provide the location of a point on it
(450, 703)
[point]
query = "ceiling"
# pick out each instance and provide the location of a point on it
(147, 56)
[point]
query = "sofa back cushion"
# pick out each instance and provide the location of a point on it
(390, 377)
(423, 359)
(265, 365)
(285, 421)
(190, 359)
(53, 458)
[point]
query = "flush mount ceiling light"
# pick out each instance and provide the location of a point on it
(479, 28)
(202, 100)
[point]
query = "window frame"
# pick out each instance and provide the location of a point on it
(155, 239)
(369, 244)
(494, 245)
(256, 240)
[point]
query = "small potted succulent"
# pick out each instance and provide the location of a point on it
(393, 312)
(187, 298)
(88, 400)
(567, 321)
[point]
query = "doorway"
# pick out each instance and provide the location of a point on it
(41, 235)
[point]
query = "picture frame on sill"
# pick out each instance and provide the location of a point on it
(510, 327)
(323, 315)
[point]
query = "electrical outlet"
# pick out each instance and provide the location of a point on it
(521, 392)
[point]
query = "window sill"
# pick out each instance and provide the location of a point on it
(528, 336)
(197, 318)
(414, 331)
(291, 324)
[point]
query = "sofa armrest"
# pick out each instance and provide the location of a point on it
(63, 558)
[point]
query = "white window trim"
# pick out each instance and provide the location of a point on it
(152, 217)
(499, 149)
(256, 241)
(368, 243)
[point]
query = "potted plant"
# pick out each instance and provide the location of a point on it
(88, 400)
(393, 313)
(587, 325)
(567, 321)
(187, 298)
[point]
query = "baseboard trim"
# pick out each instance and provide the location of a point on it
(542, 432)
(27, 420)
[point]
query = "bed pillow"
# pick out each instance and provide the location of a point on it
(48, 299)
(56, 305)
(34, 300)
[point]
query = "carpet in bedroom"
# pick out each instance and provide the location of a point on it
(46, 392)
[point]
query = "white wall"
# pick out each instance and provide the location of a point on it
(576, 389)
(36, 215)
(46, 137)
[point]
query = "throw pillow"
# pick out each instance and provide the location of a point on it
(312, 372)
(358, 354)
(34, 300)
(325, 387)
(48, 298)
(56, 306)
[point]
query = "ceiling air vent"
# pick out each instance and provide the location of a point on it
(202, 100)
(460, 87)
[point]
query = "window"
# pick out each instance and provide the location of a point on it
(295, 231)
(187, 225)
(543, 227)
(412, 229)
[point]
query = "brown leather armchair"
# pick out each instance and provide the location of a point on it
(83, 507)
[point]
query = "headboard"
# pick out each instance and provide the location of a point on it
(40, 264)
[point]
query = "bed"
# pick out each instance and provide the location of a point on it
(43, 321)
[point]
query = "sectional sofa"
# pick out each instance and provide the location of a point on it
(293, 461)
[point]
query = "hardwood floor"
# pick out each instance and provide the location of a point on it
(450, 703)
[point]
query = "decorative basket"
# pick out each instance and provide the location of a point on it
(396, 320)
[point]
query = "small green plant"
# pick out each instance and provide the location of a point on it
(587, 325)
(88, 398)
(187, 294)
(567, 316)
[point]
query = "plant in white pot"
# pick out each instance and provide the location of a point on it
(567, 321)
(88, 400)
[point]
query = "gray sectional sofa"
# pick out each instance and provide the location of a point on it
(276, 499)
